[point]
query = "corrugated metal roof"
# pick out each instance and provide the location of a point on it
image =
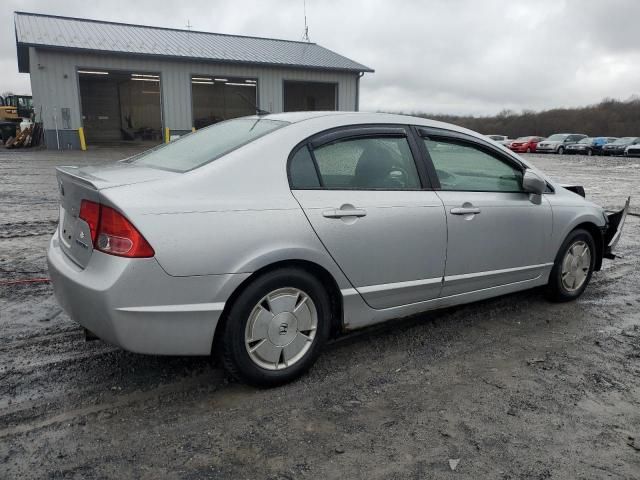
(49, 31)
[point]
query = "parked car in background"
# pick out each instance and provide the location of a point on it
(245, 238)
(583, 147)
(600, 142)
(632, 150)
(558, 142)
(502, 139)
(525, 144)
(590, 145)
(618, 147)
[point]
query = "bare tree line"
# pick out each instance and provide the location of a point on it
(610, 117)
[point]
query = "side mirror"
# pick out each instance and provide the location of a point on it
(532, 183)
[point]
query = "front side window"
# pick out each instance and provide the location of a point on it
(464, 167)
(384, 163)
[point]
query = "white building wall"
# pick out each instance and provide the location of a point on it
(54, 83)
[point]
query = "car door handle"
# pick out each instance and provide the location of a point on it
(465, 211)
(339, 213)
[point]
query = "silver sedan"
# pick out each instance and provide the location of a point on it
(259, 238)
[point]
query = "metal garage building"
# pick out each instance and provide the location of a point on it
(109, 82)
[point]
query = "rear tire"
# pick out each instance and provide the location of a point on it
(276, 328)
(528, 149)
(573, 267)
(590, 152)
(561, 151)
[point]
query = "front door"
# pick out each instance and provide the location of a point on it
(497, 232)
(364, 196)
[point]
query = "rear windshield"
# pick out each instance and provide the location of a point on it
(196, 149)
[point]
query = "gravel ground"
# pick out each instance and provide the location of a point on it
(514, 387)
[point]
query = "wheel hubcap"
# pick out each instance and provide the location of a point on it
(576, 265)
(281, 328)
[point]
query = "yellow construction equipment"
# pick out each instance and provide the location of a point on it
(15, 108)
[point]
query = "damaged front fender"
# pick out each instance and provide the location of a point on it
(615, 223)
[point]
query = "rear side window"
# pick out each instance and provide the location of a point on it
(384, 163)
(302, 171)
(463, 167)
(199, 148)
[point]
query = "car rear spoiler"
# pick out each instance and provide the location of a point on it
(614, 229)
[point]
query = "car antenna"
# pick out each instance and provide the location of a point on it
(258, 110)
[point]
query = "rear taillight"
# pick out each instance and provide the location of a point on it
(112, 233)
(90, 213)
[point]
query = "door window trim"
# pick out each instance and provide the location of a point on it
(353, 132)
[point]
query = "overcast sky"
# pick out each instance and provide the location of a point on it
(439, 56)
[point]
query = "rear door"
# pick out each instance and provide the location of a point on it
(497, 233)
(371, 205)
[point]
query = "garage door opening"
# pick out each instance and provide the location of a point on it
(120, 107)
(215, 99)
(305, 96)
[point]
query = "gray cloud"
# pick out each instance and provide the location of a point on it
(442, 56)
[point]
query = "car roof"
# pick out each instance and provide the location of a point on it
(345, 118)
(366, 117)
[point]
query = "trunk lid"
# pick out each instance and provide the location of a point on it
(85, 183)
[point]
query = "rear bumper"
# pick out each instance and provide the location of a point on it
(614, 229)
(136, 305)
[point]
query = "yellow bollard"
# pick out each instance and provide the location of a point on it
(167, 135)
(83, 143)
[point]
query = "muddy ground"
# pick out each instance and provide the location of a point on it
(515, 387)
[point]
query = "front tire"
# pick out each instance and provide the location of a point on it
(573, 267)
(561, 151)
(276, 328)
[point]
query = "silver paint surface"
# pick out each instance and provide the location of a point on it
(213, 227)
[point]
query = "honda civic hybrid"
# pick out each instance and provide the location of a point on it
(259, 238)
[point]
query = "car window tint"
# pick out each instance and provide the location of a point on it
(212, 142)
(368, 163)
(466, 168)
(302, 172)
